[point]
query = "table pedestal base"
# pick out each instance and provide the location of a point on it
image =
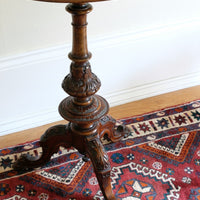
(85, 111)
(90, 146)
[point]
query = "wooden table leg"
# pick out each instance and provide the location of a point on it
(101, 165)
(86, 111)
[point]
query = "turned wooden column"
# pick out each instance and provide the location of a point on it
(85, 111)
(83, 108)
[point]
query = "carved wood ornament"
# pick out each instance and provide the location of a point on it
(85, 111)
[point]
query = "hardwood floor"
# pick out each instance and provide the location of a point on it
(126, 110)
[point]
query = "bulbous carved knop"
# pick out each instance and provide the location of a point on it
(81, 82)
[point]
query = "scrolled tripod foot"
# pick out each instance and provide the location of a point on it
(102, 169)
(50, 142)
(110, 131)
(105, 185)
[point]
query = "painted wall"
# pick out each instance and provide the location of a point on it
(145, 47)
(28, 25)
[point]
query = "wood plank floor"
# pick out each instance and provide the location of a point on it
(126, 110)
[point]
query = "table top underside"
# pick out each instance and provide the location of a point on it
(69, 1)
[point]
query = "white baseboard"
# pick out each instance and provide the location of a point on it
(132, 92)
(153, 89)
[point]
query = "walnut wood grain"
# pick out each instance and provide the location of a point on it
(85, 111)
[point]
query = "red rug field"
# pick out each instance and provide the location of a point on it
(160, 160)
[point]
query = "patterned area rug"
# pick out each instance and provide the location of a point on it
(160, 160)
